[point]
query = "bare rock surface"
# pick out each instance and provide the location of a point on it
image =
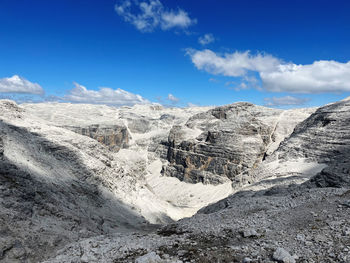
(226, 142)
(113, 136)
(323, 137)
(308, 223)
(68, 196)
(55, 188)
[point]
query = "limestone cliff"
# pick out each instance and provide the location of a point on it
(225, 142)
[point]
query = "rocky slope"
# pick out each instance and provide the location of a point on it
(56, 187)
(90, 185)
(323, 137)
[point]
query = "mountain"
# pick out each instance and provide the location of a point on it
(92, 183)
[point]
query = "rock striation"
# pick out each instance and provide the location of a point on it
(226, 142)
(115, 137)
(323, 137)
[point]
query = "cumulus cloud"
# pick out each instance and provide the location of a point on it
(173, 99)
(206, 39)
(275, 74)
(233, 65)
(285, 101)
(148, 15)
(320, 76)
(118, 97)
(17, 84)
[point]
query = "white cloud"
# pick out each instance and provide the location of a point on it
(147, 15)
(233, 65)
(108, 96)
(320, 76)
(276, 75)
(17, 84)
(190, 105)
(172, 19)
(173, 99)
(206, 39)
(285, 101)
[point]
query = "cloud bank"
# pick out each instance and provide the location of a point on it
(118, 97)
(276, 76)
(148, 15)
(17, 84)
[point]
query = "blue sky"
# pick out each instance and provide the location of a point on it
(298, 51)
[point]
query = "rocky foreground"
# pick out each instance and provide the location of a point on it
(237, 183)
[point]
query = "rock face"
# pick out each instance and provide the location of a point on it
(224, 143)
(114, 137)
(323, 137)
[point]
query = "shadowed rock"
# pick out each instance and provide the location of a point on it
(115, 137)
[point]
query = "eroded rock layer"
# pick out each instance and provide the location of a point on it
(323, 137)
(114, 137)
(225, 142)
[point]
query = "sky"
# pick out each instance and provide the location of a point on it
(178, 53)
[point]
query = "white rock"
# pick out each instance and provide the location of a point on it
(151, 257)
(281, 255)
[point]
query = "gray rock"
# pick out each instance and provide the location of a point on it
(281, 255)
(225, 143)
(324, 137)
(250, 232)
(150, 257)
(232, 140)
(114, 137)
(336, 175)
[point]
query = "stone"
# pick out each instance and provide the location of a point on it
(150, 257)
(281, 255)
(250, 233)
